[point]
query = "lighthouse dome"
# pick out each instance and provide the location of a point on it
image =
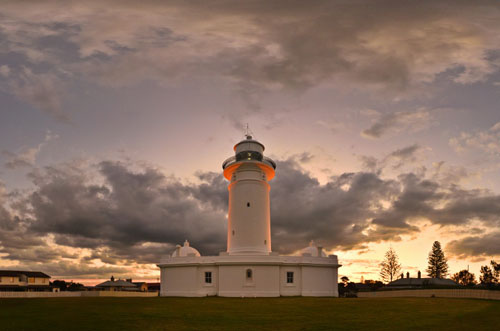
(312, 250)
(186, 250)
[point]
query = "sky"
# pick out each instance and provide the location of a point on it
(115, 117)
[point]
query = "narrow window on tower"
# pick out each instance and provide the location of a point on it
(249, 274)
(248, 204)
(233, 232)
(208, 277)
(289, 277)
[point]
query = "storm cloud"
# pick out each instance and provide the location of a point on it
(476, 246)
(253, 47)
(126, 214)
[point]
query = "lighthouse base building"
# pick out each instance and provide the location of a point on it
(249, 268)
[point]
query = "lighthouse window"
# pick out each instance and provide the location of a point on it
(208, 277)
(245, 155)
(289, 277)
(248, 204)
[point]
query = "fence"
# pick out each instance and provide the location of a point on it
(438, 293)
(76, 294)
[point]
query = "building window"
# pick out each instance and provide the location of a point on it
(233, 232)
(208, 277)
(12, 279)
(289, 277)
(249, 274)
(248, 204)
(31, 280)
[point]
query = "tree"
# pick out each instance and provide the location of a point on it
(437, 263)
(61, 284)
(347, 288)
(489, 276)
(374, 284)
(76, 287)
(390, 266)
(464, 278)
(496, 269)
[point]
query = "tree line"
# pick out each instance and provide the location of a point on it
(437, 267)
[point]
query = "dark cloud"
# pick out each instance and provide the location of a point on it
(396, 160)
(126, 217)
(254, 47)
(480, 247)
(128, 209)
(27, 157)
(77, 269)
(18, 161)
(397, 122)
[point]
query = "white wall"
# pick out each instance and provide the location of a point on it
(205, 289)
(264, 283)
(185, 276)
(179, 281)
(319, 281)
(294, 289)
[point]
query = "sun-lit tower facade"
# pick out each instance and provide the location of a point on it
(249, 218)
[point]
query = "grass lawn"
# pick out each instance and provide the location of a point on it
(248, 314)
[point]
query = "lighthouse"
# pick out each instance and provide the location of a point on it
(249, 217)
(248, 267)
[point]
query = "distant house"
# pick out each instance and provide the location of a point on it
(153, 287)
(141, 286)
(18, 280)
(116, 285)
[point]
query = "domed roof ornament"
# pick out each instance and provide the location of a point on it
(313, 250)
(185, 251)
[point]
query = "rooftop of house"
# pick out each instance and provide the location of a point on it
(17, 273)
(116, 283)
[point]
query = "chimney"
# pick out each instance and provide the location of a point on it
(407, 274)
(112, 278)
(129, 280)
(419, 274)
(320, 250)
(402, 276)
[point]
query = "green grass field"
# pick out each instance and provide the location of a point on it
(248, 314)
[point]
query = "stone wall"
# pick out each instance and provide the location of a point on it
(438, 293)
(76, 294)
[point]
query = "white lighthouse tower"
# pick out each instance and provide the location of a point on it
(249, 219)
(248, 267)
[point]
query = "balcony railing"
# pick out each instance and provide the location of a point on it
(232, 160)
